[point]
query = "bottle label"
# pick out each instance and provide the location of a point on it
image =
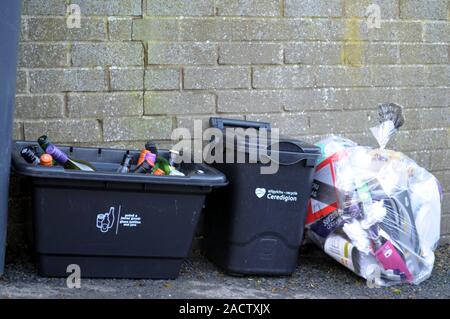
(340, 249)
(57, 154)
(142, 157)
(389, 258)
(29, 156)
(151, 157)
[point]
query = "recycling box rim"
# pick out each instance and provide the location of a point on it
(210, 177)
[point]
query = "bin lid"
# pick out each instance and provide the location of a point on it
(282, 145)
(259, 141)
(253, 134)
(284, 150)
(287, 144)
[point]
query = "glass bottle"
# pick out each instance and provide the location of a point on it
(68, 162)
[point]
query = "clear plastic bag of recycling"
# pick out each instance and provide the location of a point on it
(375, 210)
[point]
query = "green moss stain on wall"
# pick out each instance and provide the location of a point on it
(352, 53)
(353, 49)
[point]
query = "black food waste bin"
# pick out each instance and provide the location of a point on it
(9, 42)
(255, 225)
(114, 225)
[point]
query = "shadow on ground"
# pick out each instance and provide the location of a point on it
(317, 276)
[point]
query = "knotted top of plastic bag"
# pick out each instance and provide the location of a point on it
(390, 117)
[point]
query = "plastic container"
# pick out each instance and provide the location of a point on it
(255, 224)
(114, 225)
(9, 39)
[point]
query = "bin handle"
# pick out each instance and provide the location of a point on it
(311, 160)
(221, 123)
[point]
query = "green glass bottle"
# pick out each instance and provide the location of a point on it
(163, 164)
(43, 142)
(66, 161)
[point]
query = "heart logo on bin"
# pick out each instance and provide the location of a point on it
(260, 192)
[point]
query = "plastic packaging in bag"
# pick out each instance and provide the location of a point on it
(375, 210)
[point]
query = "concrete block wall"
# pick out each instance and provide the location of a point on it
(137, 69)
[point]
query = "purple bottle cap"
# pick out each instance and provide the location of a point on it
(57, 154)
(151, 157)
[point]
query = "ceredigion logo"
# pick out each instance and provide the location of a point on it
(260, 192)
(276, 194)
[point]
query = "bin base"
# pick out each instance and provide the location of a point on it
(247, 260)
(110, 267)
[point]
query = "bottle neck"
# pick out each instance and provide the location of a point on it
(29, 156)
(44, 142)
(57, 154)
(151, 146)
(379, 242)
(126, 162)
(144, 167)
(44, 145)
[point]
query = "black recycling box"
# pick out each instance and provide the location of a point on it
(114, 225)
(255, 224)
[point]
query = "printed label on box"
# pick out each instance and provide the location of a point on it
(324, 197)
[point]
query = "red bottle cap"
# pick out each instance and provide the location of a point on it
(159, 172)
(46, 160)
